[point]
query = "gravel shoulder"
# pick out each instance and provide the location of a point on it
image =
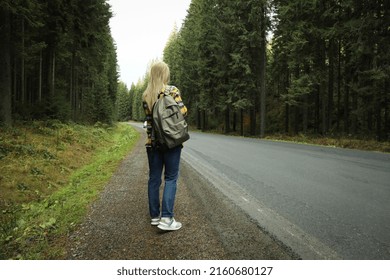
(118, 224)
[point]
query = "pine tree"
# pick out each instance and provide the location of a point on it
(53, 64)
(5, 64)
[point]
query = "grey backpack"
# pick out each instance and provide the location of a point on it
(169, 126)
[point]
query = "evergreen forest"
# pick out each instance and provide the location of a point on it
(282, 67)
(252, 67)
(58, 61)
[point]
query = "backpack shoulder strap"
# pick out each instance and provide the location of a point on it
(168, 90)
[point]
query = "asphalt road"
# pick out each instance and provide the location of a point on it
(324, 203)
(117, 225)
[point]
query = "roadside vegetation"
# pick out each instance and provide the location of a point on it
(346, 142)
(50, 172)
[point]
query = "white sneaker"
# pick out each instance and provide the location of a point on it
(155, 221)
(169, 224)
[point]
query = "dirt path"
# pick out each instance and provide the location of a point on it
(117, 226)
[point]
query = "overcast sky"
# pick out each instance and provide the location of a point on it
(141, 29)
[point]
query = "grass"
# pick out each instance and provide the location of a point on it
(50, 173)
(339, 142)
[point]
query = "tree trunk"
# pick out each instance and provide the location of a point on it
(346, 108)
(317, 109)
(338, 86)
(235, 121)
(305, 113)
(262, 72)
(78, 97)
(204, 122)
(51, 72)
(322, 89)
(40, 77)
(330, 84)
(53, 75)
(296, 119)
(227, 120)
(5, 64)
(387, 113)
(287, 118)
(347, 75)
(14, 79)
(242, 122)
(354, 117)
(253, 121)
(199, 119)
(72, 97)
(22, 69)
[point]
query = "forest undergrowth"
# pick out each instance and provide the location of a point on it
(49, 173)
(346, 142)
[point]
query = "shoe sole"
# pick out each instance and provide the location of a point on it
(167, 228)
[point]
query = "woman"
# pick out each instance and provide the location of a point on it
(163, 216)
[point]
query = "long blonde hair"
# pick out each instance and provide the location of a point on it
(158, 78)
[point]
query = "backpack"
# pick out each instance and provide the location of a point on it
(169, 126)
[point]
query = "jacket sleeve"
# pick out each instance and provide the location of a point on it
(148, 118)
(176, 95)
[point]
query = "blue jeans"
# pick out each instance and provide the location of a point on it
(169, 159)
